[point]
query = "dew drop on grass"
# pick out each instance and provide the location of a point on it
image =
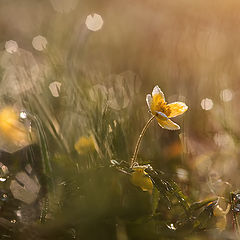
(171, 226)
(23, 115)
(4, 197)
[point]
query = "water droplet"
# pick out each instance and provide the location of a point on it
(63, 183)
(171, 226)
(18, 213)
(4, 197)
(114, 162)
(23, 115)
(238, 196)
(236, 209)
(4, 169)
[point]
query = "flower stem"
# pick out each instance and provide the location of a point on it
(134, 158)
(237, 230)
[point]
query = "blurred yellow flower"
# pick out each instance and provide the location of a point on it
(85, 145)
(141, 179)
(221, 217)
(163, 111)
(12, 131)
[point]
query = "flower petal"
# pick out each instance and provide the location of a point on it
(157, 99)
(162, 116)
(158, 91)
(168, 124)
(177, 108)
(141, 179)
(149, 100)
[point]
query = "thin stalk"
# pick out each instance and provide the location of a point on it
(134, 158)
(237, 229)
(235, 222)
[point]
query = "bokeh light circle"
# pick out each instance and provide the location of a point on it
(39, 43)
(207, 104)
(94, 22)
(226, 95)
(11, 46)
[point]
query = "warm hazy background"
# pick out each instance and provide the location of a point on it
(191, 49)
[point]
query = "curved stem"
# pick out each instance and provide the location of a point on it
(134, 158)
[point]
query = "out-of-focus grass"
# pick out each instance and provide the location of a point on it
(190, 49)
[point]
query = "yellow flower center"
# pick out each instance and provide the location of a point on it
(162, 106)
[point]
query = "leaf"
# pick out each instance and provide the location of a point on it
(168, 187)
(25, 188)
(141, 179)
(203, 221)
(155, 199)
(197, 205)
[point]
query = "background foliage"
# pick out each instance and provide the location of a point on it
(84, 95)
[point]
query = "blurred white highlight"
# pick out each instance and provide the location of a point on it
(226, 95)
(207, 104)
(94, 22)
(11, 46)
(39, 43)
(55, 88)
(182, 174)
(23, 115)
(64, 6)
